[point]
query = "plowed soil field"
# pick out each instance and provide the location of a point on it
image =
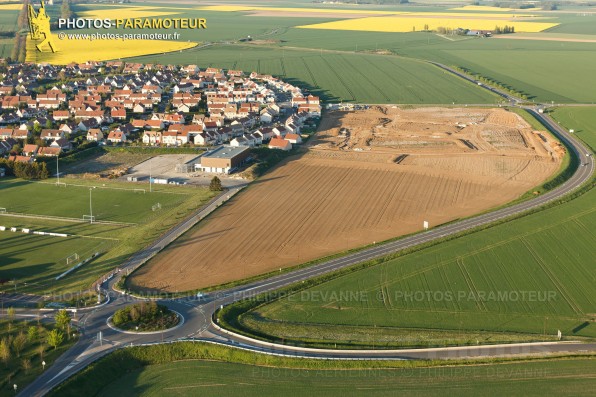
(367, 176)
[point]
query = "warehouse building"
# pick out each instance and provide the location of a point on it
(223, 160)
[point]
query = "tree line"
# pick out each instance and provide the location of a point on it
(504, 30)
(25, 170)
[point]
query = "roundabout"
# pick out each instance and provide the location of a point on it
(179, 323)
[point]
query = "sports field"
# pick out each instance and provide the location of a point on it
(125, 221)
(212, 378)
(396, 169)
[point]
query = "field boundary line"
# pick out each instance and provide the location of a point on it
(64, 219)
(96, 238)
(112, 188)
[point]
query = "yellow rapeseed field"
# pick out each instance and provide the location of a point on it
(127, 12)
(396, 24)
(482, 8)
(101, 50)
(238, 8)
(233, 8)
(10, 7)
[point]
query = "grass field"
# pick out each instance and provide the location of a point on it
(581, 119)
(454, 286)
(34, 261)
(195, 369)
(227, 379)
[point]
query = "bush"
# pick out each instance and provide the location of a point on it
(215, 185)
(147, 316)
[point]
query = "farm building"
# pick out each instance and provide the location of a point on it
(223, 159)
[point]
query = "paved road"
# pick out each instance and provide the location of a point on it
(198, 312)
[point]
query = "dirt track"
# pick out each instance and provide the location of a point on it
(368, 176)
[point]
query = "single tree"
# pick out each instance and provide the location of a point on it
(10, 312)
(4, 350)
(55, 338)
(18, 343)
(32, 333)
(215, 185)
(41, 349)
(26, 363)
(62, 319)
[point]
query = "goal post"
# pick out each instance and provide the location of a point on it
(89, 218)
(139, 191)
(2, 210)
(72, 258)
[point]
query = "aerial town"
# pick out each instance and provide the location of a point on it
(49, 110)
(297, 198)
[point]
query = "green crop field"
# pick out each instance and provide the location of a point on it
(454, 287)
(212, 378)
(581, 119)
(33, 261)
(349, 77)
(545, 70)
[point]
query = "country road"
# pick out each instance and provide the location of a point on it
(198, 312)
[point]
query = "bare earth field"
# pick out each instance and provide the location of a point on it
(106, 165)
(368, 176)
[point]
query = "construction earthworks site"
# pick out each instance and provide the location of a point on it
(366, 176)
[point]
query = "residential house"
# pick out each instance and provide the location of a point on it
(30, 150)
(6, 133)
(50, 135)
(21, 134)
(94, 135)
(60, 115)
(174, 138)
(281, 144)
(239, 141)
(152, 137)
(293, 138)
(63, 144)
(49, 151)
(117, 136)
